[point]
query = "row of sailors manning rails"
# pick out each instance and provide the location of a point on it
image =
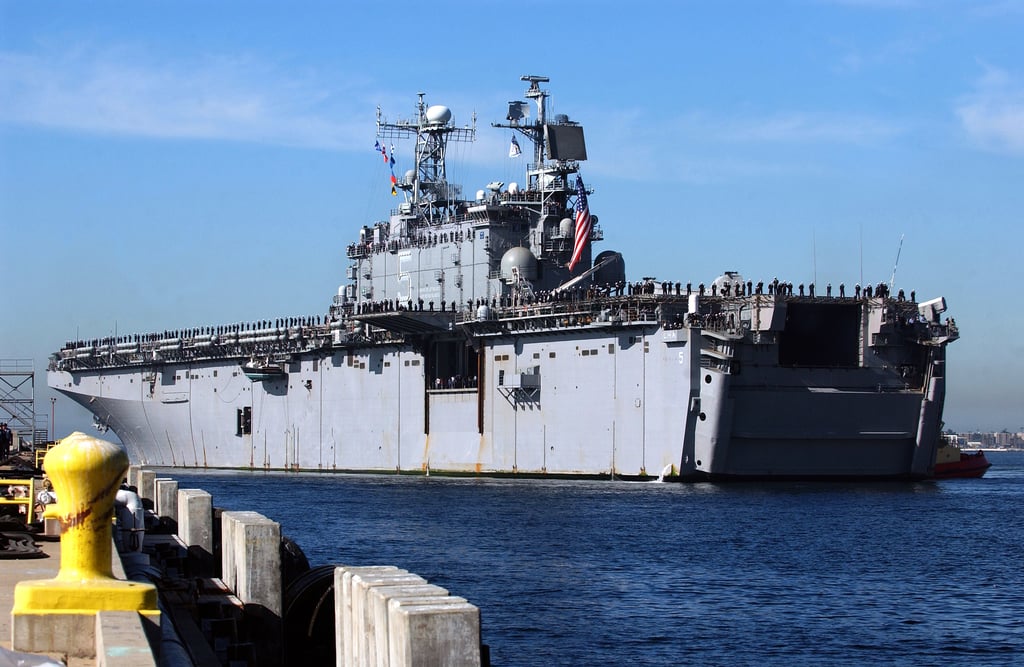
(572, 294)
(774, 287)
(645, 287)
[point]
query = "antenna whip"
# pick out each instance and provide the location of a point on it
(898, 251)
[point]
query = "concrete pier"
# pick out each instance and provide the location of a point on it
(232, 609)
(117, 641)
(120, 637)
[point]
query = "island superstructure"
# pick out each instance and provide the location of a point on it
(480, 335)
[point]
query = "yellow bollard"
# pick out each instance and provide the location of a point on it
(86, 473)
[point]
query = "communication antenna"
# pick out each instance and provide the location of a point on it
(898, 251)
(862, 253)
(814, 256)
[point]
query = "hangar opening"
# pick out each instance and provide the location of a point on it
(821, 334)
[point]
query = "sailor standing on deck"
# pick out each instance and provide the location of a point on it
(6, 439)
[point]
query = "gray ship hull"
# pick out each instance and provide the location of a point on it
(634, 400)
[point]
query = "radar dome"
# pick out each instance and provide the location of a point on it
(438, 114)
(611, 273)
(513, 188)
(520, 258)
(733, 279)
(410, 176)
(566, 228)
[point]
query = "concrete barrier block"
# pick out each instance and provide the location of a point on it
(432, 634)
(147, 484)
(343, 608)
(364, 632)
(257, 546)
(229, 522)
(51, 526)
(166, 501)
(195, 518)
(251, 551)
(133, 476)
(377, 606)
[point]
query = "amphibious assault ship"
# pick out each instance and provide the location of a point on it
(481, 335)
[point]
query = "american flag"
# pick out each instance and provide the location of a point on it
(582, 223)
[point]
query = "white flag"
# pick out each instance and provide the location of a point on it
(513, 150)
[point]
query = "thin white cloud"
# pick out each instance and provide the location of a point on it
(875, 4)
(857, 58)
(993, 115)
(701, 148)
(125, 91)
(997, 9)
(794, 128)
(118, 92)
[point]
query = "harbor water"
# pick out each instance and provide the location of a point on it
(609, 572)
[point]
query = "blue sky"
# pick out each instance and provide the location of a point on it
(178, 164)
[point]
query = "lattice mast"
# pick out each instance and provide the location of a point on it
(429, 190)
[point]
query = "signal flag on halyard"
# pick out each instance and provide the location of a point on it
(582, 223)
(389, 160)
(513, 150)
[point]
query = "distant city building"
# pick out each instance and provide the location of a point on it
(993, 440)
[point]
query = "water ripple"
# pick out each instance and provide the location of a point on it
(584, 573)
